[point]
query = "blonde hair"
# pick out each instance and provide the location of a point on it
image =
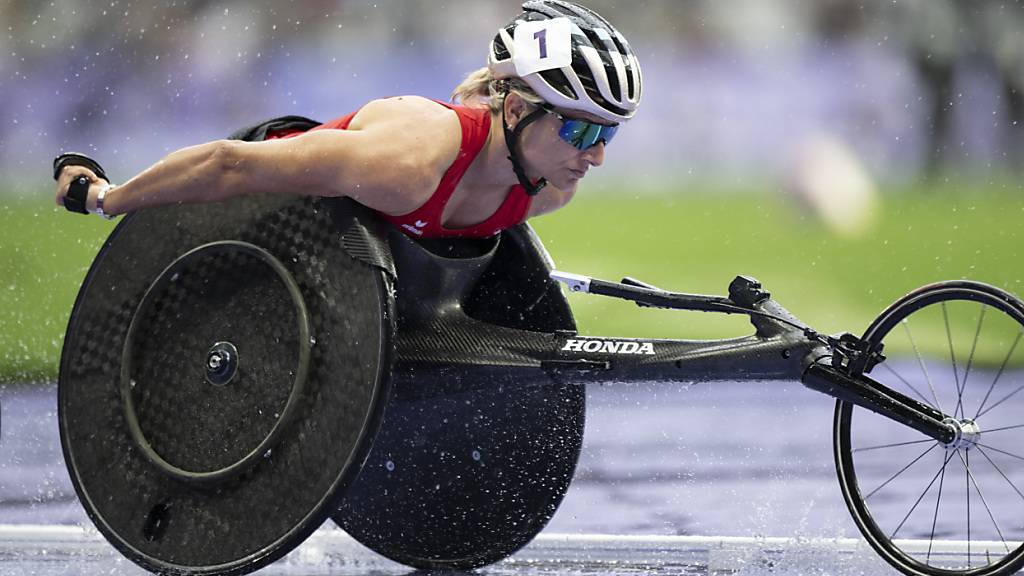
(481, 88)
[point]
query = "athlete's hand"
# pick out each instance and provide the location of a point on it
(71, 173)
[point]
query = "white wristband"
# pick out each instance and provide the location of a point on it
(99, 201)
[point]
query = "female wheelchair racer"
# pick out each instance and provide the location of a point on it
(235, 373)
(559, 81)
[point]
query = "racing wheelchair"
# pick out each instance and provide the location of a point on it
(235, 374)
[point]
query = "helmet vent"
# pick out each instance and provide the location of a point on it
(606, 59)
(500, 50)
(565, 10)
(558, 81)
(631, 85)
(627, 61)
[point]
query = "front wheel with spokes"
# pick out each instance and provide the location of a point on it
(927, 507)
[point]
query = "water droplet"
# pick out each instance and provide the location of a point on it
(476, 455)
(390, 466)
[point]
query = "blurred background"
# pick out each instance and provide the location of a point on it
(844, 152)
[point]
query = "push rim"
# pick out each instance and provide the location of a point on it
(222, 354)
(928, 507)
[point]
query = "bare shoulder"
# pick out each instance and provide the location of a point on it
(414, 125)
(402, 109)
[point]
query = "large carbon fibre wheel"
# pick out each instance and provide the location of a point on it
(926, 507)
(224, 373)
(462, 480)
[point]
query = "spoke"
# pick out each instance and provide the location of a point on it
(1005, 398)
(935, 517)
(952, 357)
(909, 385)
(919, 498)
(902, 443)
(974, 346)
(998, 375)
(1004, 428)
(920, 360)
(994, 449)
(904, 469)
(967, 493)
(987, 509)
(998, 469)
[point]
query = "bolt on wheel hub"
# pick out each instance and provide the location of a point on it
(221, 363)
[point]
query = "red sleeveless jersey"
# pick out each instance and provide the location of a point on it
(425, 221)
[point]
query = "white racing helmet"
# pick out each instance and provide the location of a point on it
(571, 57)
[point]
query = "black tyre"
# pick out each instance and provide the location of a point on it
(460, 480)
(924, 506)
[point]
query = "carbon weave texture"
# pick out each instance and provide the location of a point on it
(364, 240)
(466, 341)
(461, 480)
(226, 296)
(238, 526)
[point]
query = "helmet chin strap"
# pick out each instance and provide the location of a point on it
(512, 142)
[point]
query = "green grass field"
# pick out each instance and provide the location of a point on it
(699, 243)
(686, 242)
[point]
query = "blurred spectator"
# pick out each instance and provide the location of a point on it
(955, 42)
(729, 81)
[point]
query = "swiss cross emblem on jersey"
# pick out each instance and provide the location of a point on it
(542, 45)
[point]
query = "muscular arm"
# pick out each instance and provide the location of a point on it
(191, 174)
(390, 159)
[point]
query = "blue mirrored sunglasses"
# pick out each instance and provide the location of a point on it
(582, 133)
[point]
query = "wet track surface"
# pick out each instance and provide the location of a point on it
(712, 478)
(69, 550)
(739, 459)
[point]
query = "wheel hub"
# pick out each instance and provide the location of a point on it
(968, 434)
(221, 363)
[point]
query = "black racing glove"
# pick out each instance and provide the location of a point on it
(79, 189)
